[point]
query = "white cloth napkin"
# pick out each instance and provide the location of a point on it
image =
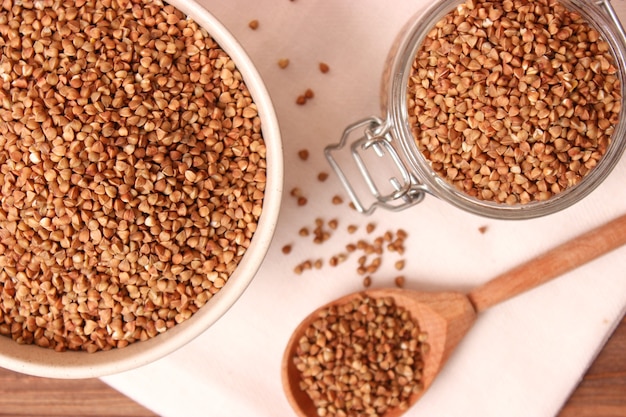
(522, 358)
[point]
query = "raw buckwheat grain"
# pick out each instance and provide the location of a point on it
(132, 171)
(513, 101)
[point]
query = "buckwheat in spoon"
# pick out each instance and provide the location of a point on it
(376, 352)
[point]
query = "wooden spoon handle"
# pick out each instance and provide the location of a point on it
(551, 264)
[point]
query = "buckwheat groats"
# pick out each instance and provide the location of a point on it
(132, 171)
(362, 358)
(513, 101)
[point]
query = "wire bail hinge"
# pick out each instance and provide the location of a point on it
(371, 139)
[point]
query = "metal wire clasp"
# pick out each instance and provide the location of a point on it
(372, 135)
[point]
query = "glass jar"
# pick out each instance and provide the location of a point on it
(408, 175)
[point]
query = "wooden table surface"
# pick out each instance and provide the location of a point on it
(601, 393)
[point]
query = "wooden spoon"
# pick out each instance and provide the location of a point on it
(447, 316)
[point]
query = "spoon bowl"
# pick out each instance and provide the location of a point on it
(447, 316)
(444, 316)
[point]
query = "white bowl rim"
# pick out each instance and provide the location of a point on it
(42, 362)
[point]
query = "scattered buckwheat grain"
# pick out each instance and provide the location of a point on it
(303, 154)
(367, 281)
(337, 200)
(399, 281)
(322, 176)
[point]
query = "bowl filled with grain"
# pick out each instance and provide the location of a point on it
(508, 109)
(140, 181)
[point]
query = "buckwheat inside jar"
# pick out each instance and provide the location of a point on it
(513, 101)
(132, 171)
